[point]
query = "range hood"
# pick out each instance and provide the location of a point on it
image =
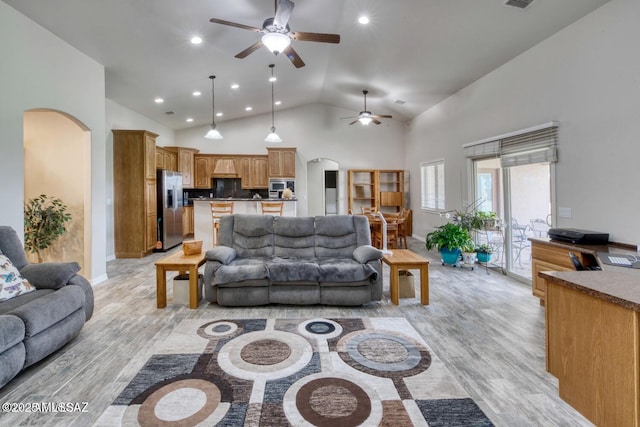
(225, 168)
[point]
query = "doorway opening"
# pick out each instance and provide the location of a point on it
(57, 162)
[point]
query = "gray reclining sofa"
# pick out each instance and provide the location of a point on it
(35, 324)
(262, 259)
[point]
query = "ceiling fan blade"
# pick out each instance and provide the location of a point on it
(283, 12)
(354, 122)
(379, 116)
(257, 45)
(234, 24)
(293, 57)
(350, 117)
(315, 37)
(376, 121)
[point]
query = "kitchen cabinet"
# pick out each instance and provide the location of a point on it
(187, 221)
(282, 162)
(165, 159)
(134, 191)
(253, 171)
(203, 170)
(185, 164)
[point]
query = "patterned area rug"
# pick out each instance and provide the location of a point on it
(294, 372)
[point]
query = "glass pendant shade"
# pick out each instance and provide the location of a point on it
(273, 136)
(213, 132)
(365, 120)
(276, 42)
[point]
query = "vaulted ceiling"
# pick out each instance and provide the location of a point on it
(416, 51)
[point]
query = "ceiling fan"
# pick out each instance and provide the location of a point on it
(277, 35)
(365, 117)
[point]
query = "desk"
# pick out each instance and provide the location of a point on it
(183, 264)
(404, 259)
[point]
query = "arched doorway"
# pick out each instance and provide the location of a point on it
(57, 162)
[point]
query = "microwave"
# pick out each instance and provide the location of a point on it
(277, 186)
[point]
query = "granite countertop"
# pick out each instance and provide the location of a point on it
(616, 287)
(593, 250)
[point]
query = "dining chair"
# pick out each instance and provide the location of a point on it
(403, 226)
(218, 209)
(519, 240)
(539, 227)
(368, 210)
(272, 208)
(392, 231)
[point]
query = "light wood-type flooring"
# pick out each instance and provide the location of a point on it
(487, 328)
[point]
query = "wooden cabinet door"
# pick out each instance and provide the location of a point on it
(202, 172)
(259, 173)
(159, 158)
(185, 165)
(282, 162)
(150, 214)
(288, 163)
(275, 164)
(149, 156)
(187, 221)
(538, 284)
(244, 172)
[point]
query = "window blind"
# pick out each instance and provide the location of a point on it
(539, 146)
(482, 150)
(432, 177)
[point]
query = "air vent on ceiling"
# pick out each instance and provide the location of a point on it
(170, 112)
(518, 3)
(399, 102)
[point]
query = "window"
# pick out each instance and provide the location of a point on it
(432, 181)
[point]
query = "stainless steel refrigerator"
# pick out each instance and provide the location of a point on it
(170, 199)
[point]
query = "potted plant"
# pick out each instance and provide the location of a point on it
(484, 252)
(486, 220)
(469, 254)
(44, 219)
(448, 239)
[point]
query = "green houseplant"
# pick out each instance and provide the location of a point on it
(44, 219)
(484, 252)
(448, 239)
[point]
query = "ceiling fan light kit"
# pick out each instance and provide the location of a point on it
(276, 42)
(365, 117)
(213, 132)
(273, 136)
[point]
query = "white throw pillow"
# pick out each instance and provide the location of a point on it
(12, 283)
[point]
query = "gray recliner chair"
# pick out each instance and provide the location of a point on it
(36, 324)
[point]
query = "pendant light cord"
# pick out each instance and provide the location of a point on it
(213, 102)
(273, 126)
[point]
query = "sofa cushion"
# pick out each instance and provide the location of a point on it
(8, 306)
(50, 275)
(12, 247)
(222, 254)
(299, 270)
(293, 237)
(241, 269)
(252, 235)
(343, 270)
(12, 283)
(335, 236)
(49, 309)
(11, 331)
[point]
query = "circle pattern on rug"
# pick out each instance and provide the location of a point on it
(320, 329)
(265, 355)
(187, 402)
(322, 400)
(265, 352)
(384, 352)
(217, 329)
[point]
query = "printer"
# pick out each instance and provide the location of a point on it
(581, 237)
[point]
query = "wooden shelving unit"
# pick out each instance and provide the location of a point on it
(382, 189)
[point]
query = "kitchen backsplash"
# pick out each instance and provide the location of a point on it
(224, 188)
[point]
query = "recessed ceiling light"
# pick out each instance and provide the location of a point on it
(218, 114)
(278, 102)
(158, 100)
(364, 20)
(197, 93)
(189, 120)
(249, 108)
(196, 40)
(235, 86)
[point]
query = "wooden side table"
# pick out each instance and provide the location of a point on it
(404, 259)
(183, 264)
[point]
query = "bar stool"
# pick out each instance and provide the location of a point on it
(218, 209)
(272, 208)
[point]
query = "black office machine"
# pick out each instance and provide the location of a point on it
(582, 237)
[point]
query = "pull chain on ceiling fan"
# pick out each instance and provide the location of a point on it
(277, 34)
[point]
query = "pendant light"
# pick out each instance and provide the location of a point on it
(273, 136)
(213, 132)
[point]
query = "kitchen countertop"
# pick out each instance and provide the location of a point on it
(232, 199)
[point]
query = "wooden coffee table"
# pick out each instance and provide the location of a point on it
(404, 259)
(183, 264)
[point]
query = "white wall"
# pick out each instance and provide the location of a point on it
(119, 117)
(317, 132)
(586, 77)
(38, 70)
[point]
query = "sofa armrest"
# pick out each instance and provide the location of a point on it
(366, 253)
(222, 254)
(50, 275)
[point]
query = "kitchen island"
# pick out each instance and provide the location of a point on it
(203, 225)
